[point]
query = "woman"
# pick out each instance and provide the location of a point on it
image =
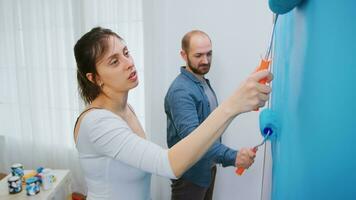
(116, 158)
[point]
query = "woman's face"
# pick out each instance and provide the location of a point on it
(116, 69)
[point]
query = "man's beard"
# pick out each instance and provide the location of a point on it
(197, 69)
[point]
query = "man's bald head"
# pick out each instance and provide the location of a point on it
(188, 36)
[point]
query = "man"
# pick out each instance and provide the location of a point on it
(189, 100)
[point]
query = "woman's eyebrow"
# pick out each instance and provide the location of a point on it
(113, 55)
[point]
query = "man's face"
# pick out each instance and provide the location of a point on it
(199, 56)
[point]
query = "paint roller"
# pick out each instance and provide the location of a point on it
(268, 119)
(266, 60)
(269, 126)
(268, 123)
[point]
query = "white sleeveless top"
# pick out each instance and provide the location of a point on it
(117, 163)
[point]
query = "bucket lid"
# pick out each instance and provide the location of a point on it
(16, 165)
(13, 178)
(31, 180)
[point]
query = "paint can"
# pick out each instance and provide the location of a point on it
(32, 186)
(15, 184)
(47, 179)
(17, 170)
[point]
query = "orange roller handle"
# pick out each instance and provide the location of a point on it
(263, 65)
(240, 170)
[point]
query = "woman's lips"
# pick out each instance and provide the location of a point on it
(133, 76)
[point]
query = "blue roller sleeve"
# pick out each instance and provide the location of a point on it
(283, 6)
(268, 127)
(268, 123)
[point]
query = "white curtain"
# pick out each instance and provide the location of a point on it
(39, 101)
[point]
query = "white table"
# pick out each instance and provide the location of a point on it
(60, 190)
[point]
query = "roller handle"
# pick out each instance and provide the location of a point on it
(263, 65)
(240, 170)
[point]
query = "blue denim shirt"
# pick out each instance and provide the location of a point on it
(186, 107)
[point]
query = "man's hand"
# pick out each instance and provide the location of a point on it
(244, 158)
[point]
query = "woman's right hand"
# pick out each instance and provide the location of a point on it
(251, 94)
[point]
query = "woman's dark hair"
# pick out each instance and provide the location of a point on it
(88, 50)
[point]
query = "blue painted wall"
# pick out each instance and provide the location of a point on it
(314, 96)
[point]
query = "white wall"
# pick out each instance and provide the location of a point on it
(239, 31)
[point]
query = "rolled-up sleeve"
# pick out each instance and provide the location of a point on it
(222, 154)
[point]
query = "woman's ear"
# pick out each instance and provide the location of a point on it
(90, 77)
